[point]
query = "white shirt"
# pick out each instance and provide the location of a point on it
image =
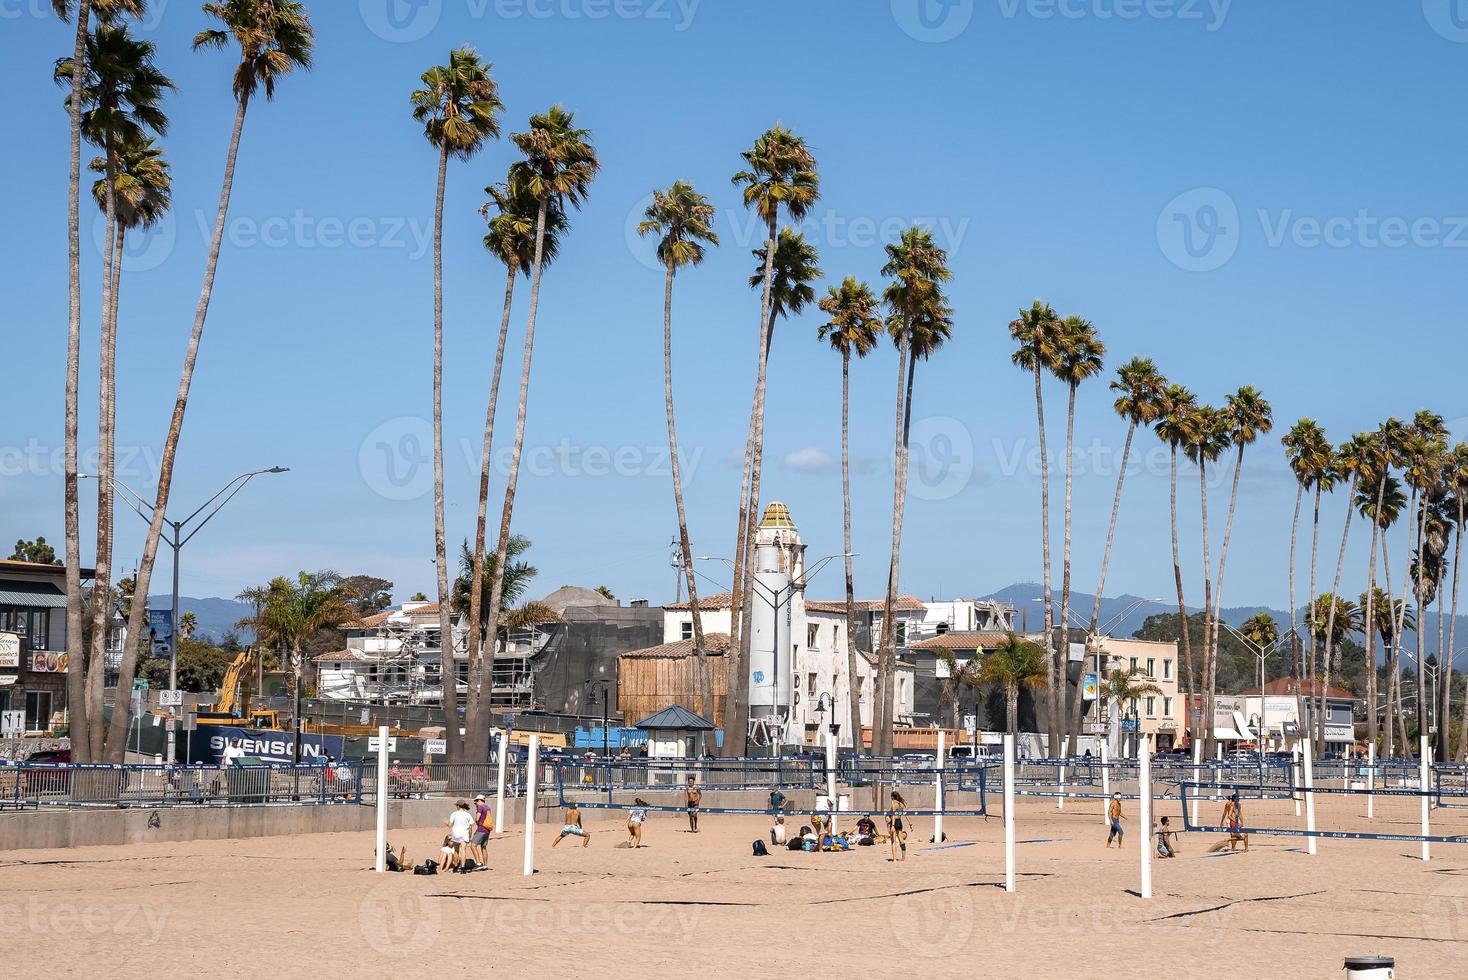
(460, 824)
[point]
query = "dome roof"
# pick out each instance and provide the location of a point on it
(574, 597)
(777, 515)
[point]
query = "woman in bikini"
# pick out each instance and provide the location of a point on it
(635, 817)
(897, 827)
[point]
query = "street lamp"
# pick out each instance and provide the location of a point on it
(1093, 642)
(182, 534)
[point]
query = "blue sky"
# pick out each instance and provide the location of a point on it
(1247, 192)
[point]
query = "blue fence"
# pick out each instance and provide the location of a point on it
(39, 785)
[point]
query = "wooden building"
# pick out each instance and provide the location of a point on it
(659, 677)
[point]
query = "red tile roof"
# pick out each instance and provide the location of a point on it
(904, 603)
(960, 641)
(714, 645)
(707, 603)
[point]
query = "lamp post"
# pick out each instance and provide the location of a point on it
(181, 533)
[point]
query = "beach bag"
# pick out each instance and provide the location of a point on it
(426, 868)
(759, 849)
(467, 866)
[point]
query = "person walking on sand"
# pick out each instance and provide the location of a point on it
(1113, 816)
(635, 818)
(573, 827)
(483, 827)
(692, 797)
(1234, 821)
(461, 829)
(897, 827)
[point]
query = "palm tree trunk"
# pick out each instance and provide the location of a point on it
(116, 746)
(853, 678)
(895, 574)
(704, 693)
(448, 669)
(478, 750)
(1210, 669)
(1294, 618)
(1126, 452)
(1073, 727)
(1369, 623)
(1050, 652)
(96, 667)
(1317, 705)
(1420, 591)
(481, 668)
(1335, 588)
(1011, 707)
(882, 736)
(1189, 676)
(1398, 731)
(1445, 658)
(1228, 527)
(736, 711)
(83, 750)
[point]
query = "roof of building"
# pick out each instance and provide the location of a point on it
(714, 645)
(368, 622)
(1307, 688)
(957, 640)
(904, 603)
(706, 603)
(675, 717)
(15, 565)
(575, 597)
(356, 656)
(777, 515)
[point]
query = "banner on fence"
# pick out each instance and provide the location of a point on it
(207, 745)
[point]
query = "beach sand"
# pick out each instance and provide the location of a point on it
(691, 906)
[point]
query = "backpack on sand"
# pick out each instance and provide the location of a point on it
(759, 849)
(426, 868)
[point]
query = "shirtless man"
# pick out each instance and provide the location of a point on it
(1113, 817)
(692, 797)
(573, 827)
(1233, 819)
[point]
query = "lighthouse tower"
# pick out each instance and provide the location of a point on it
(778, 528)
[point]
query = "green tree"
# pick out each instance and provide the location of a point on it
(274, 38)
(293, 612)
(458, 107)
(37, 552)
(780, 177)
(1039, 335)
(1013, 665)
(369, 593)
(683, 219)
(919, 321)
(559, 165)
(1081, 358)
(1123, 688)
(1174, 426)
(516, 580)
(854, 327)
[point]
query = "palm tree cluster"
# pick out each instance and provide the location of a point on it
(1373, 468)
(115, 95)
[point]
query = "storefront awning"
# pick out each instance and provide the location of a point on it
(41, 595)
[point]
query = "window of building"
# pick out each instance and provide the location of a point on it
(1151, 667)
(1133, 665)
(836, 635)
(1151, 707)
(810, 685)
(686, 630)
(813, 635)
(37, 711)
(1167, 706)
(1167, 668)
(902, 632)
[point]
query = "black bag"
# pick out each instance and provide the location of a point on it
(426, 868)
(759, 849)
(796, 844)
(467, 866)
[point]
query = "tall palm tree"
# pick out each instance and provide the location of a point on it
(81, 745)
(1037, 331)
(1081, 358)
(294, 612)
(1246, 417)
(919, 321)
(1457, 479)
(1383, 621)
(1139, 388)
(1423, 449)
(780, 176)
(459, 107)
(1356, 462)
(683, 218)
(1373, 504)
(1210, 438)
(854, 327)
(1301, 444)
(122, 97)
(1013, 665)
(518, 573)
(960, 677)
(1174, 426)
(511, 213)
(275, 38)
(559, 165)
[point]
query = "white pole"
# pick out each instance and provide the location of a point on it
(1370, 781)
(499, 790)
(938, 787)
(531, 785)
(1144, 818)
(1294, 768)
(1009, 813)
(1309, 800)
(831, 779)
(1105, 781)
(1060, 800)
(1197, 772)
(381, 798)
(1217, 776)
(1423, 778)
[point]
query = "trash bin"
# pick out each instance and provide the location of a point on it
(1371, 967)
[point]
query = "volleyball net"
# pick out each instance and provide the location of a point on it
(1358, 810)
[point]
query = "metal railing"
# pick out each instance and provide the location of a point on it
(41, 786)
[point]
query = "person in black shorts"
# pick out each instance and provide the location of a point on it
(692, 797)
(897, 827)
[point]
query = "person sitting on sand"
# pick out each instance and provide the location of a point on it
(573, 827)
(866, 830)
(692, 797)
(797, 843)
(897, 827)
(1165, 847)
(397, 860)
(635, 817)
(1113, 816)
(777, 829)
(448, 854)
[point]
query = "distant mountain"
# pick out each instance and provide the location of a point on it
(1123, 615)
(214, 617)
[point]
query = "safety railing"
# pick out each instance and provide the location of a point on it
(39, 786)
(442, 779)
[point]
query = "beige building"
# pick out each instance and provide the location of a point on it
(1161, 717)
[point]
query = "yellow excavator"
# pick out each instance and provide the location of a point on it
(232, 704)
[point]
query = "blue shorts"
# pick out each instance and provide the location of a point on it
(1116, 830)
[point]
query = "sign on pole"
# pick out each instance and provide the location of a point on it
(372, 742)
(436, 746)
(160, 633)
(170, 699)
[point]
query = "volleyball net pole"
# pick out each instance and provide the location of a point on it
(1197, 764)
(531, 781)
(1294, 768)
(1424, 777)
(1144, 819)
(1105, 779)
(499, 785)
(380, 864)
(938, 787)
(831, 798)
(1310, 841)
(1370, 781)
(1009, 813)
